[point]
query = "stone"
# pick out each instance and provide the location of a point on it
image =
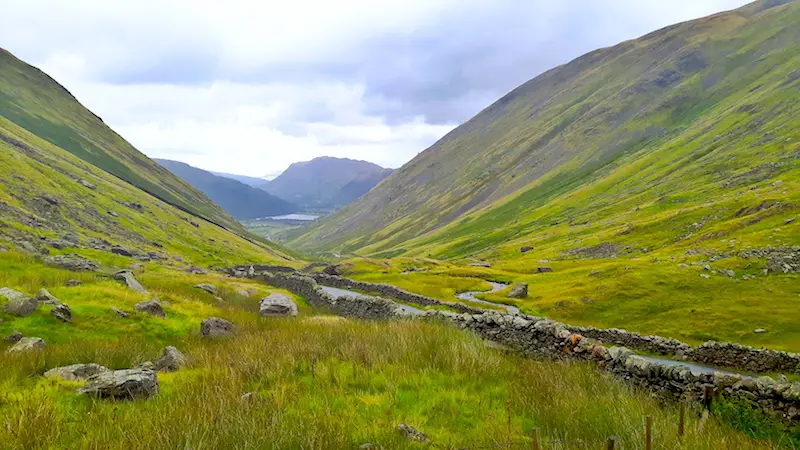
(122, 384)
(28, 345)
(171, 360)
(60, 244)
(215, 327)
(44, 297)
(62, 312)
(136, 266)
(729, 273)
(480, 264)
(412, 434)
(122, 314)
(73, 283)
(759, 331)
(129, 279)
(147, 365)
(243, 293)
(196, 270)
(248, 397)
(112, 213)
(277, 305)
(525, 249)
(18, 304)
(543, 269)
(152, 307)
(26, 246)
(72, 262)
(705, 275)
(85, 184)
(120, 250)
(75, 372)
(13, 338)
(518, 290)
(207, 287)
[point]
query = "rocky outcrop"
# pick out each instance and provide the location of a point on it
(122, 384)
(13, 338)
(152, 307)
(171, 360)
(62, 312)
(122, 314)
(72, 262)
(130, 280)
(73, 283)
(19, 304)
(211, 289)
(214, 327)
(120, 250)
(412, 434)
(543, 269)
(28, 345)
(75, 372)
(44, 297)
(277, 305)
(518, 290)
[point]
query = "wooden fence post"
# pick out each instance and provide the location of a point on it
(612, 443)
(681, 419)
(648, 443)
(537, 439)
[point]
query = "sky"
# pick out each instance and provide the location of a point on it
(249, 87)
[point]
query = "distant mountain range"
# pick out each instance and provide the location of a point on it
(250, 181)
(239, 199)
(326, 182)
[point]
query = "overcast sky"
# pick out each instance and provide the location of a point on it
(249, 87)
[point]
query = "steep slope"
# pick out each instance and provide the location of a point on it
(238, 199)
(34, 101)
(686, 134)
(326, 182)
(53, 202)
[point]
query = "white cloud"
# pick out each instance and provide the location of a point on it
(250, 86)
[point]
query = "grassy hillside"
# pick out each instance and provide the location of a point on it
(34, 101)
(240, 200)
(681, 137)
(54, 202)
(318, 381)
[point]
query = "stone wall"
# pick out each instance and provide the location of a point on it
(650, 344)
(745, 358)
(389, 291)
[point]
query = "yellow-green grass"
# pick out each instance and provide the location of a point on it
(666, 296)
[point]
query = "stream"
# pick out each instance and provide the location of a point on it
(470, 296)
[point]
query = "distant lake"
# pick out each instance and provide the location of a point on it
(304, 217)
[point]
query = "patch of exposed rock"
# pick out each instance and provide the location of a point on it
(62, 312)
(72, 262)
(130, 280)
(518, 290)
(75, 372)
(171, 360)
(18, 304)
(44, 297)
(277, 305)
(211, 289)
(152, 307)
(214, 327)
(28, 345)
(122, 384)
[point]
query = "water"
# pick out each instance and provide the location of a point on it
(470, 296)
(301, 217)
(345, 293)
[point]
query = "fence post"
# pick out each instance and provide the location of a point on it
(648, 443)
(612, 443)
(681, 419)
(537, 439)
(708, 397)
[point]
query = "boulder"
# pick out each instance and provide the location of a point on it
(277, 305)
(152, 307)
(215, 327)
(129, 279)
(519, 290)
(480, 264)
(18, 304)
(543, 269)
(27, 345)
(13, 338)
(120, 250)
(171, 360)
(412, 434)
(122, 384)
(207, 287)
(72, 262)
(44, 297)
(60, 244)
(147, 365)
(73, 283)
(122, 314)
(75, 372)
(62, 312)
(525, 249)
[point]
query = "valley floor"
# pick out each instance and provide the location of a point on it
(317, 381)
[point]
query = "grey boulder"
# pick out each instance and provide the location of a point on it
(122, 384)
(72, 262)
(120, 250)
(13, 338)
(277, 305)
(44, 297)
(130, 280)
(171, 360)
(215, 327)
(207, 287)
(519, 290)
(62, 312)
(75, 372)
(27, 345)
(152, 307)
(18, 304)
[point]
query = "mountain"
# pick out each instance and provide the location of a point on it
(34, 101)
(250, 181)
(69, 183)
(326, 182)
(686, 134)
(239, 199)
